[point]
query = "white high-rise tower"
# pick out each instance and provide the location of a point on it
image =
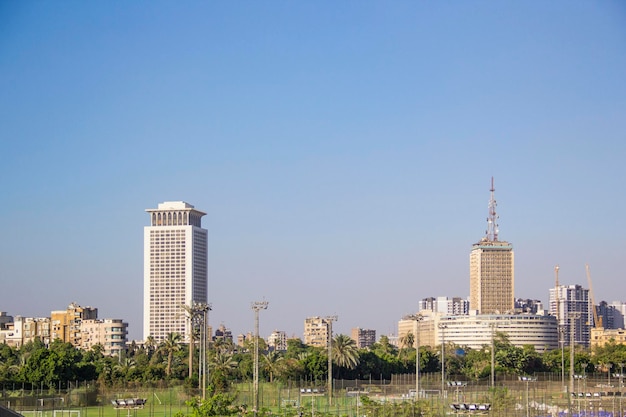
(175, 268)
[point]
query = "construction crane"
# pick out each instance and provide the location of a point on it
(597, 320)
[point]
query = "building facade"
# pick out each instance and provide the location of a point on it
(66, 323)
(619, 311)
(22, 330)
(175, 268)
(492, 277)
(277, 340)
(492, 270)
(573, 307)
(111, 334)
(444, 305)
(363, 337)
(476, 331)
(316, 331)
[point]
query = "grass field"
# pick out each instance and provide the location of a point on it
(512, 397)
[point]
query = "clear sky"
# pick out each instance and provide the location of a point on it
(343, 150)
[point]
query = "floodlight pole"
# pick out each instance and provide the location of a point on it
(417, 318)
(442, 327)
(573, 316)
(256, 307)
(329, 322)
(203, 368)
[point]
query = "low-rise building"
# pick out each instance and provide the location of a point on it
(111, 334)
(316, 331)
(363, 337)
(601, 336)
(277, 340)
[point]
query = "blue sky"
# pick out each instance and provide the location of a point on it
(342, 150)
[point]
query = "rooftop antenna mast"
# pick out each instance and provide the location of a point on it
(492, 225)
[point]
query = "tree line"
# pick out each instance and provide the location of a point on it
(36, 365)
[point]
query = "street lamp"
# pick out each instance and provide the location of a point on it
(579, 393)
(329, 322)
(493, 355)
(202, 366)
(562, 342)
(527, 379)
(442, 327)
(621, 375)
(256, 307)
(417, 318)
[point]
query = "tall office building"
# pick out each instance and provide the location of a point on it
(175, 268)
(491, 269)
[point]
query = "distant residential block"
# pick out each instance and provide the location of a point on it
(316, 331)
(111, 334)
(278, 340)
(66, 323)
(363, 337)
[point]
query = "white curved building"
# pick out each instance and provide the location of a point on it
(476, 330)
(522, 329)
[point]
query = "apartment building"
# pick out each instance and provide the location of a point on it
(66, 323)
(111, 334)
(363, 337)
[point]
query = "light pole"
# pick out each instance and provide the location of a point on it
(584, 365)
(621, 375)
(493, 355)
(579, 392)
(527, 379)
(329, 322)
(562, 342)
(198, 313)
(442, 327)
(417, 318)
(256, 307)
(573, 316)
(202, 366)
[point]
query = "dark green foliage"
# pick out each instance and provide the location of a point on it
(214, 405)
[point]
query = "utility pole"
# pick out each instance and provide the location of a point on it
(573, 316)
(417, 318)
(557, 296)
(493, 354)
(329, 322)
(203, 368)
(256, 307)
(443, 327)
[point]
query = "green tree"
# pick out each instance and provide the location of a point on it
(271, 363)
(218, 404)
(221, 365)
(344, 352)
(49, 366)
(169, 346)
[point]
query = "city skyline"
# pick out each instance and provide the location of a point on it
(342, 152)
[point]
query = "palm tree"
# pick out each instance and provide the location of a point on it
(345, 352)
(407, 340)
(150, 345)
(125, 366)
(221, 365)
(222, 362)
(272, 361)
(170, 345)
